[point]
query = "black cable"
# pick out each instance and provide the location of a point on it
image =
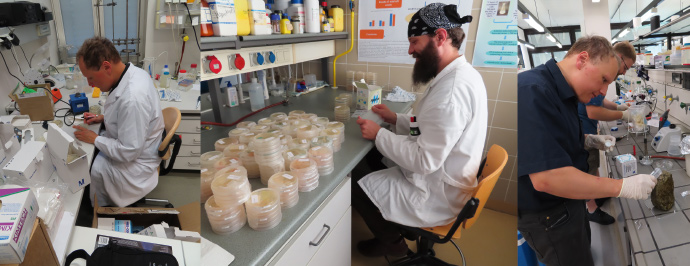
(195, 37)
(27, 60)
(69, 109)
(15, 59)
(56, 70)
(8, 69)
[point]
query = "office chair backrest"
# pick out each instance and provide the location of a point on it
(171, 118)
(496, 160)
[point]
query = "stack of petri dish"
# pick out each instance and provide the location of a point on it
(266, 122)
(295, 113)
(323, 156)
(235, 134)
(334, 134)
(349, 78)
(339, 126)
(323, 121)
(292, 154)
(249, 163)
(307, 132)
(307, 173)
(360, 75)
(225, 220)
(234, 150)
(246, 124)
(279, 116)
(296, 143)
(287, 186)
(280, 125)
(208, 159)
(263, 209)
(350, 99)
(247, 137)
(309, 117)
(258, 129)
(230, 186)
(342, 113)
(325, 141)
(371, 78)
(222, 143)
(268, 154)
(207, 175)
(341, 101)
(227, 161)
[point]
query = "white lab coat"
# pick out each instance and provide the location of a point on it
(434, 173)
(125, 169)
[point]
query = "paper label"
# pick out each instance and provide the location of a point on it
(213, 158)
(241, 147)
(233, 177)
(288, 176)
(221, 141)
(204, 170)
(233, 161)
(255, 198)
(289, 154)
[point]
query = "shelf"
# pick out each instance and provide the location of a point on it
(237, 42)
(681, 24)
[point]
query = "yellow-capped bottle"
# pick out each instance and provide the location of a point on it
(285, 26)
(242, 12)
(337, 13)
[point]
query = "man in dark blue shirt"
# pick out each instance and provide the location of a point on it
(552, 166)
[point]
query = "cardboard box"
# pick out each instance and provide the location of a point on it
(367, 95)
(17, 218)
(38, 106)
(185, 217)
(32, 162)
(70, 160)
(40, 250)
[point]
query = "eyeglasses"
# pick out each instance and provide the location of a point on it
(624, 64)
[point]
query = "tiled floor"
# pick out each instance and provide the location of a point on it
(490, 241)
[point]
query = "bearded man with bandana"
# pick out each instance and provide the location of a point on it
(427, 178)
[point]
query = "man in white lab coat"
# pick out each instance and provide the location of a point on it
(432, 175)
(125, 168)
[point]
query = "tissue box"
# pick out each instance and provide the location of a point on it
(31, 162)
(626, 165)
(367, 95)
(69, 159)
(17, 217)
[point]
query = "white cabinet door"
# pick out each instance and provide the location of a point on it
(336, 250)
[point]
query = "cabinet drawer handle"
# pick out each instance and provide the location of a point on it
(193, 164)
(328, 229)
(194, 153)
(196, 141)
(198, 129)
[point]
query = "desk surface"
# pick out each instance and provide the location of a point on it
(656, 237)
(257, 247)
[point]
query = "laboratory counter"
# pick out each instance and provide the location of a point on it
(252, 247)
(648, 235)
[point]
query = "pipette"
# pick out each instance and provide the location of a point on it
(656, 173)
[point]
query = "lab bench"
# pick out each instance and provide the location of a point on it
(326, 206)
(650, 236)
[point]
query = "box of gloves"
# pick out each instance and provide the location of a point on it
(626, 164)
(32, 162)
(17, 217)
(69, 158)
(367, 95)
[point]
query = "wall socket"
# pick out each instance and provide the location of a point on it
(43, 29)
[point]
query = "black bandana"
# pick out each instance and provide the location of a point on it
(435, 16)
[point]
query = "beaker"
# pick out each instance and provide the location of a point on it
(637, 117)
(674, 146)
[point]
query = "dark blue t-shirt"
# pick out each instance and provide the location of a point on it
(589, 126)
(549, 133)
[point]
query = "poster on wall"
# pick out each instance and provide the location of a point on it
(383, 28)
(496, 43)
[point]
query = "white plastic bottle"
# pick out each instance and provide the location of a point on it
(223, 17)
(312, 22)
(165, 77)
(259, 22)
(256, 95)
(296, 10)
(281, 5)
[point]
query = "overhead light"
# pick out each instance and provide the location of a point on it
(526, 44)
(595, 1)
(623, 32)
(559, 45)
(532, 22)
(649, 14)
(614, 40)
(551, 38)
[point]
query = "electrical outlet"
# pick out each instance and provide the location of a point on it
(43, 29)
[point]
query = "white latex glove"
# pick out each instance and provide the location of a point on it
(622, 107)
(626, 115)
(637, 187)
(600, 142)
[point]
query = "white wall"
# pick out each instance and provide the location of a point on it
(596, 22)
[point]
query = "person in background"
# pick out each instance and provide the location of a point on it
(124, 169)
(599, 108)
(553, 182)
(432, 166)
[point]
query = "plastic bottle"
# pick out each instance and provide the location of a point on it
(206, 21)
(165, 77)
(331, 21)
(337, 13)
(242, 11)
(223, 17)
(281, 5)
(259, 22)
(275, 23)
(256, 95)
(325, 26)
(193, 72)
(297, 26)
(296, 10)
(312, 23)
(285, 26)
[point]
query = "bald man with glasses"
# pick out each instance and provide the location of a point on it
(602, 109)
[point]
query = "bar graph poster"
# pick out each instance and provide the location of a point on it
(383, 28)
(496, 43)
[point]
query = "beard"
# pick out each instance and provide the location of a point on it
(426, 67)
